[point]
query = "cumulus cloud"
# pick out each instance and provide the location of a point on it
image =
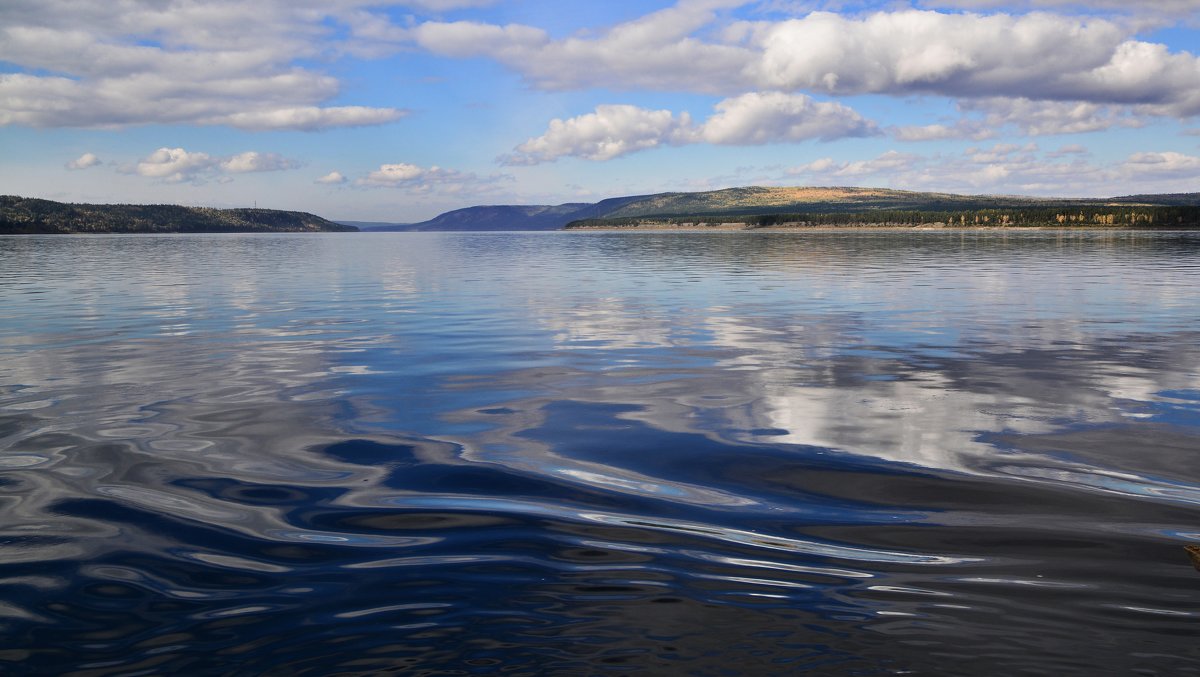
(771, 117)
(1036, 56)
(611, 131)
(395, 174)
(331, 179)
(83, 161)
(751, 119)
(175, 165)
(253, 161)
(178, 62)
(414, 179)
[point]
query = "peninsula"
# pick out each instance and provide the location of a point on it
(758, 207)
(782, 207)
(19, 215)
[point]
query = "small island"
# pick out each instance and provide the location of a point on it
(19, 215)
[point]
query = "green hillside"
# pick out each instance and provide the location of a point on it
(770, 200)
(20, 215)
(776, 207)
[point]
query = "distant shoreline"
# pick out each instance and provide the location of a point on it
(931, 228)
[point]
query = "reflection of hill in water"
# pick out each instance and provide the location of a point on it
(664, 454)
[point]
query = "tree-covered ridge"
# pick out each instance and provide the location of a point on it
(1090, 216)
(30, 215)
(792, 199)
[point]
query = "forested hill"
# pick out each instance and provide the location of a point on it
(514, 217)
(798, 207)
(767, 205)
(30, 215)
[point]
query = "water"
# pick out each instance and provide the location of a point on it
(600, 454)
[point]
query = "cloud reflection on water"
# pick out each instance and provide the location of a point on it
(569, 445)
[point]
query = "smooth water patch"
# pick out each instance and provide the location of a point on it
(600, 453)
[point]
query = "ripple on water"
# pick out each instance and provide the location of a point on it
(551, 454)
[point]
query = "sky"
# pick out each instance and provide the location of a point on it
(399, 110)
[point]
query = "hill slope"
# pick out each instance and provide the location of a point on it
(773, 199)
(758, 200)
(498, 217)
(515, 217)
(30, 215)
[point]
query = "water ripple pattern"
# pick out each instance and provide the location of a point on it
(850, 453)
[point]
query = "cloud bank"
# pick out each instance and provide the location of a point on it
(176, 165)
(1036, 56)
(217, 62)
(748, 120)
(416, 180)
(1010, 168)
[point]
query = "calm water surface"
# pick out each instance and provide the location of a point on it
(600, 454)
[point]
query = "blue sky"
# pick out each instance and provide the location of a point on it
(397, 111)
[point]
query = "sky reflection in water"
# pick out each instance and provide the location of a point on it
(597, 453)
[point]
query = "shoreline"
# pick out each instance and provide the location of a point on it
(935, 228)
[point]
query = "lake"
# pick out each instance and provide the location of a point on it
(851, 453)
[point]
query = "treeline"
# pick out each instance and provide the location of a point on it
(20, 215)
(1124, 216)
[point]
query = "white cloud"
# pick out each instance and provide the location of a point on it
(821, 166)
(83, 161)
(331, 179)
(1068, 150)
(178, 62)
(469, 38)
(1012, 169)
(1170, 8)
(253, 161)
(921, 51)
(396, 174)
(309, 118)
(986, 117)
(891, 161)
(1039, 118)
(611, 131)
(175, 165)
(772, 117)
(1036, 56)
(962, 129)
(656, 51)
(1167, 163)
(414, 179)
(447, 5)
(751, 119)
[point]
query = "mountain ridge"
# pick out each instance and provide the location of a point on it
(757, 200)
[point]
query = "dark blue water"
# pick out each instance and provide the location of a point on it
(600, 454)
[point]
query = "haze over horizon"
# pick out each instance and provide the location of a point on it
(400, 110)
